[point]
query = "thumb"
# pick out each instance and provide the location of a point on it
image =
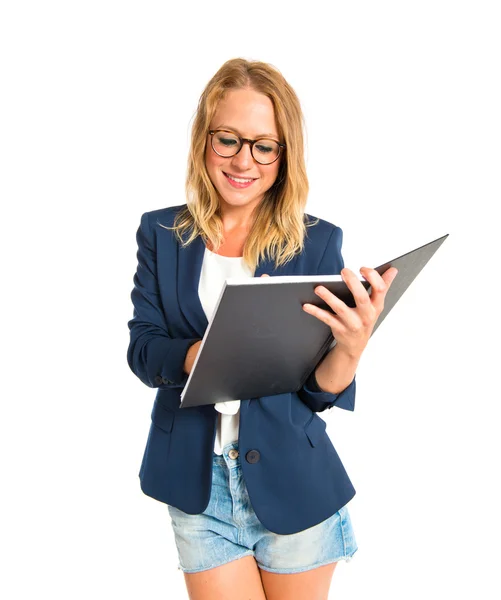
(264, 275)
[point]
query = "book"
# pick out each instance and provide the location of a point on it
(259, 340)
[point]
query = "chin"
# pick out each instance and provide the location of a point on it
(236, 198)
(232, 201)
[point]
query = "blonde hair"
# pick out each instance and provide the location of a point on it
(279, 227)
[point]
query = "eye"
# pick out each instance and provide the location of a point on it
(264, 148)
(226, 140)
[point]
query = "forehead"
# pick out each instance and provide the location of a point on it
(247, 112)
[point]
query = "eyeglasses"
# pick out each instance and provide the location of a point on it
(226, 143)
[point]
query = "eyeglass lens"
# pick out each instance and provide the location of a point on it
(227, 144)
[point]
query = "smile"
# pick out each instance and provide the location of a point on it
(239, 182)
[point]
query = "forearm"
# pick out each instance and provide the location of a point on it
(153, 355)
(336, 371)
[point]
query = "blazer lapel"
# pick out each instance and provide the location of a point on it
(266, 266)
(190, 259)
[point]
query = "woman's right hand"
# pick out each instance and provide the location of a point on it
(191, 356)
(194, 350)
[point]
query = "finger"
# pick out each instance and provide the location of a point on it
(352, 318)
(379, 284)
(389, 275)
(326, 317)
(346, 315)
(360, 294)
(265, 275)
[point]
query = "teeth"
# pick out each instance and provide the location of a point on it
(238, 180)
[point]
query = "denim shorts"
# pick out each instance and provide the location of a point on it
(229, 529)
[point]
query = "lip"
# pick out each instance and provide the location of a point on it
(238, 176)
(235, 184)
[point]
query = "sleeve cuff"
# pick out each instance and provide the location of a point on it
(166, 360)
(318, 400)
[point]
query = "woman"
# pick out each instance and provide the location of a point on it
(255, 489)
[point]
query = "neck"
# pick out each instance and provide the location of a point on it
(237, 218)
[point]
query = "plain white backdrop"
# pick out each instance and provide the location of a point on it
(401, 101)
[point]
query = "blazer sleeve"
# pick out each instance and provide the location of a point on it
(153, 355)
(311, 394)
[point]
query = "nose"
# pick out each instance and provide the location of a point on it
(243, 160)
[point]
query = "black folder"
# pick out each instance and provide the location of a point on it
(260, 341)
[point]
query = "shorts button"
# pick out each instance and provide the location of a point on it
(253, 456)
(233, 453)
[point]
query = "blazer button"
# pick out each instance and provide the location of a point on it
(165, 380)
(158, 380)
(253, 456)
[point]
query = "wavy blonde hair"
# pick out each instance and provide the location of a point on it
(279, 225)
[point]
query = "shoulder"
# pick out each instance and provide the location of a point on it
(155, 221)
(162, 216)
(321, 231)
(323, 244)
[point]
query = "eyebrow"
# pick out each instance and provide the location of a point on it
(266, 135)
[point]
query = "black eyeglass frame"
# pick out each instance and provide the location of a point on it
(242, 141)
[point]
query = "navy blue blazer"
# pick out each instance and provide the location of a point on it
(293, 474)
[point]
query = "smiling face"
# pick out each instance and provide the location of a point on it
(250, 115)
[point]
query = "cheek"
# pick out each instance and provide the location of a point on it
(210, 166)
(212, 161)
(208, 158)
(271, 173)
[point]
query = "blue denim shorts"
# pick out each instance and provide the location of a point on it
(229, 529)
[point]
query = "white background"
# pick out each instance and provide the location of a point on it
(402, 102)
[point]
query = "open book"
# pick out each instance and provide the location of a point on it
(260, 341)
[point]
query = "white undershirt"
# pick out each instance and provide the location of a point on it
(215, 270)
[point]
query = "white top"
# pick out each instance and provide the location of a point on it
(215, 270)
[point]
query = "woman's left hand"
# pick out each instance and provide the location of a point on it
(352, 327)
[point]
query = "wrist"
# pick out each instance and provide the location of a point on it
(346, 353)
